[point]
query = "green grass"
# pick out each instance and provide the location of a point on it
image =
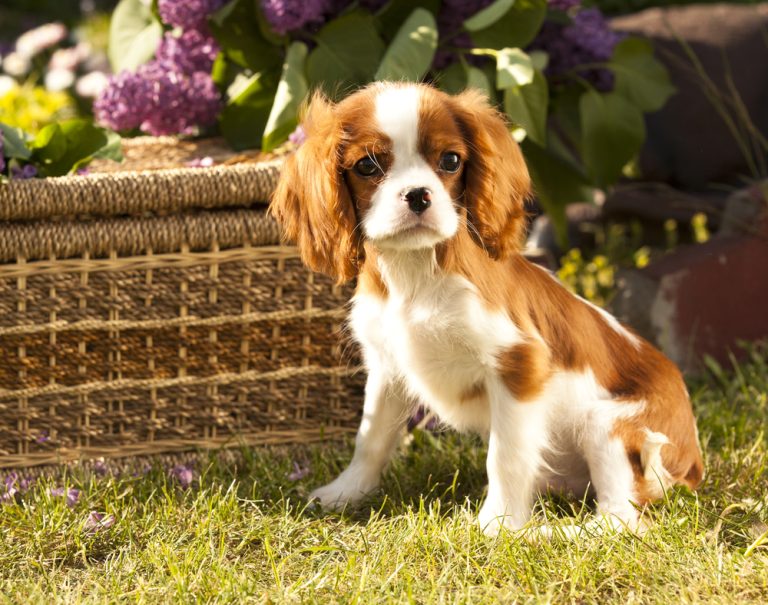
(242, 533)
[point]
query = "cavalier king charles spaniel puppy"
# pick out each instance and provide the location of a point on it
(419, 196)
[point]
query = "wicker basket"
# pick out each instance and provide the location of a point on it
(145, 311)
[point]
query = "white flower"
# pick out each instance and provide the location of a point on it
(17, 65)
(59, 79)
(90, 85)
(69, 58)
(36, 40)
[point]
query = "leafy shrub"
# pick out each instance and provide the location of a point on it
(574, 91)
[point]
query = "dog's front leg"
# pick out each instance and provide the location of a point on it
(517, 438)
(384, 415)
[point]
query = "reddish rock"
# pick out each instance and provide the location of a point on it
(704, 299)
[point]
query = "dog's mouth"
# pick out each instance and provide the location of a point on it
(414, 236)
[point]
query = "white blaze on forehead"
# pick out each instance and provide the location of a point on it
(389, 220)
(397, 114)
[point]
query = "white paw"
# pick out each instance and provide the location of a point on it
(492, 519)
(341, 492)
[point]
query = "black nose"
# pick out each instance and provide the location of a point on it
(419, 199)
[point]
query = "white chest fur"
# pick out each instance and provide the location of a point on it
(433, 334)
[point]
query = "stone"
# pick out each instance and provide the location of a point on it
(688, 143)
(703, 299)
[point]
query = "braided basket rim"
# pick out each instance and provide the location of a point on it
(156, 178)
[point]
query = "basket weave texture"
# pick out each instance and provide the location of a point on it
(154, 309)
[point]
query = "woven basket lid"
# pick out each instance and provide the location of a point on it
(158, 176)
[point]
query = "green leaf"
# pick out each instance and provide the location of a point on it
(64, 147)
(460, 76)
(612, 132)
(395, 12)
(291, 91)
(236, 28)
(476, 78)
(14, 144)
(513, 68)
(639, 76)
(488, 16)
(134, 34)
(539, 59)
(243, 120)
(526, 106)
(516, 28)
(348, 50)
(557, 183)
(412, 50)
(453, 79)
(50, 143)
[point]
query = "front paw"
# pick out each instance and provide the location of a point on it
(492, 519)
(340, 493)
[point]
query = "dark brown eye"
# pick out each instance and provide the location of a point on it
(366, 167)
(450, 162)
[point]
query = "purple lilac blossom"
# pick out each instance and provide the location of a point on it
(2, 156)
(298, 136)
(587, 39)
(100, 468)
(96, 521)
(452, 15)
(158, 101)
(14, 485)
(420, 416)
(190, 52)
(188, 14)
(24, 172)
(174, 93)
(125, 101)
(72, 495)
(288, 15)
(183, 474)
(563, 5)
(299, 471)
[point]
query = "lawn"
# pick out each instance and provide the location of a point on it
(240, 531)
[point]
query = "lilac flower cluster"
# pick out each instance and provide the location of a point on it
(289, 15)
(563, 5)
(174, 93)
(188, 14)
(449, 21)
(588, 39)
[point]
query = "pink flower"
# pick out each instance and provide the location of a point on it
(299, 472)
(41, 38)
(96, 522)
(72, 495)
(298, 136)
(205, 162)
(183, 474)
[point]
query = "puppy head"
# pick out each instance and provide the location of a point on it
(403, 167)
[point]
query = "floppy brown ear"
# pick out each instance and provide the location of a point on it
(312, 202)
(496, 177)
